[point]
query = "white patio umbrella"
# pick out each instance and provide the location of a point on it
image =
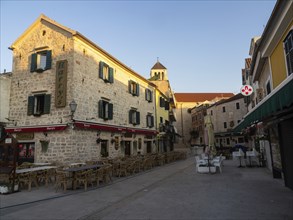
(210, 134)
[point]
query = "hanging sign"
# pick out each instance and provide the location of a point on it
(246, 90)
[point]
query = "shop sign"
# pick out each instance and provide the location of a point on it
(61, 84)
(24, 136)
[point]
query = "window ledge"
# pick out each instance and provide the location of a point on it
(40, 91)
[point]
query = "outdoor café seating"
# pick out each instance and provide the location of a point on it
(62, 180)
(83, 177)
(28, 178)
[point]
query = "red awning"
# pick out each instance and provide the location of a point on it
(95, 126)
(37, 128)
(112, 128)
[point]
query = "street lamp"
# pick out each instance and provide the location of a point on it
(73, 107)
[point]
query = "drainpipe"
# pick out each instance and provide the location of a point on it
(156, 120)
(182, 130)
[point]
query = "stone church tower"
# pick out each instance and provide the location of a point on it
(159, 76)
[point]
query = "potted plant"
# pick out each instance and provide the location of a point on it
(44, 144)
(7, 188)
(206, 168)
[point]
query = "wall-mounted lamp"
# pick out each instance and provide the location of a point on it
(98, 133)
(73, 107)
(45, 134)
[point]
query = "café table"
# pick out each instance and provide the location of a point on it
(76, 164)
(251, 156)
(74, 170)
(238, 154)
(32, 169)
(41, 164)
(36, 173)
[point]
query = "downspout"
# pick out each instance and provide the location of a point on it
(182, 130)
(156, 120)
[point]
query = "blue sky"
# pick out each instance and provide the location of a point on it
(203, 44)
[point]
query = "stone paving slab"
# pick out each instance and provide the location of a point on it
(173, 191)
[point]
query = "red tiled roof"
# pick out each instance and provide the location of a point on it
(158, 66)
(199, 97)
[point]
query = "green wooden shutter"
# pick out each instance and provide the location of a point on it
(167, 107)
(101, 65)
(111, 75)
(152, 120)
(137, 89)
(146, 94)
(129, 86)
(47, 103)
(30, 105)
(101, 109)
(110, 111)
(147, 120)
(130, 116)
(33, 62)
(151, 96)
(137, 118)
(48, 59)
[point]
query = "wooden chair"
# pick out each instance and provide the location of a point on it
(147, 163)
(61, 180)
(27, 179)
(98, 175)
(131, 167)
(47, 176)
(84, 177)
(122, 170)
(107, 173)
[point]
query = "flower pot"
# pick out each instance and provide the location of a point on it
(4, 189)
(206, 169)
(45, 145)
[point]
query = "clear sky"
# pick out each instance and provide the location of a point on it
(203, 44)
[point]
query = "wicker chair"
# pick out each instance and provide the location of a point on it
(61, 180)
(84, 177)
(27, 179)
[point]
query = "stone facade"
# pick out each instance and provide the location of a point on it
(225, 116)
(81, 137)
(5, 83)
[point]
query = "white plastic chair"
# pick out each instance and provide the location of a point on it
(218, 162)
(199, 162)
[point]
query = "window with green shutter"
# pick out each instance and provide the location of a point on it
(167, 105)
(39, 104)
(134, 117)
(133, 88)
(106, 73)
(41, 61)
(288, 46)
(162, 102)
(150, 120)
(105, 110)
(148, 95)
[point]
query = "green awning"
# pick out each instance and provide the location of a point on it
(273, 103)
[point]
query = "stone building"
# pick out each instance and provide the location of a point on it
(269, 120)
(184, 103)
(5, 84)
(54, 66)
(225, 116)
(165, 102)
